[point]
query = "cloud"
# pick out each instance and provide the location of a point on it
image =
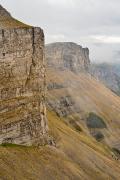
(106, 39)
(55, 37)
(91, 23)
(64, 3)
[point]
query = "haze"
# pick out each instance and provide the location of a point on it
(91, 23)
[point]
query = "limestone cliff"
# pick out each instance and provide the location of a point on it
(22, 83)
(67, 55)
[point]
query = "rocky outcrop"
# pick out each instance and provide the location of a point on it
(64, 106)
(22, 83)
(67, 55)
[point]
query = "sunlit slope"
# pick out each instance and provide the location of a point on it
(86, 95)
(76, 156)
(7, 21)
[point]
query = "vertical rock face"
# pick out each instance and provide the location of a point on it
(68, 55)
(22, 83)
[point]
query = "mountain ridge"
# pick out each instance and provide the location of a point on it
(76, 96)
(75, 146)
(7, 21)
(68, 55)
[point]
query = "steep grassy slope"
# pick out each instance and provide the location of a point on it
(7, 21)
(78, 96)
(76, 157)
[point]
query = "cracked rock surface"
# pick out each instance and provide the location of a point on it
(22, 83)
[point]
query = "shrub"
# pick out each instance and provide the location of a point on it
(99, 136)
(94, 121)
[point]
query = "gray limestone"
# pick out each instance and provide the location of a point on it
(22, 83)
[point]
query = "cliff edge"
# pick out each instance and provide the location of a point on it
(67, 56)
(22, 83)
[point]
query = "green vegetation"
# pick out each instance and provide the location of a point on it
(94, 121)
(99, 136)
(11, 145)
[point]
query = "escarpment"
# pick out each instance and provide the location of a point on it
(22, 83)
(64, 57)
(67, 56)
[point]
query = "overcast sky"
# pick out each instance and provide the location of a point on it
(91, 23)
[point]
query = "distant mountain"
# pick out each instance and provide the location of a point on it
(109, 74)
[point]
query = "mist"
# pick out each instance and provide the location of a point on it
(91, 23)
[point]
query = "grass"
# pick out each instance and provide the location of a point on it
(9, 22)
(12, 145)
(54, 121)
(77, 156)
(80, 148)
